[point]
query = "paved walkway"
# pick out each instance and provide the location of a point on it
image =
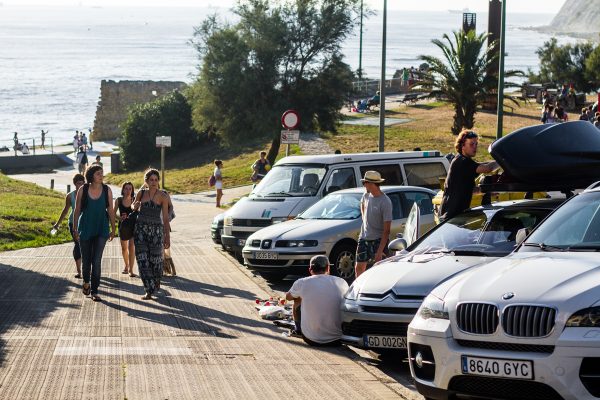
(201, 339)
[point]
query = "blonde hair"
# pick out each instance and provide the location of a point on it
(462, 138)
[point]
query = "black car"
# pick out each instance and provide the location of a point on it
(216, 228)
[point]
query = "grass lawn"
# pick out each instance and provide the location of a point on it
(27, 212)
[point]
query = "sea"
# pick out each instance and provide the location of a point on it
(52, 59)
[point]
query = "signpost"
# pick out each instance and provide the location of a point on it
(290, 120)
(162, 142)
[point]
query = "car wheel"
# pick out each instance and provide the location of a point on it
(342, 259)
(238, 256)
(273, 276)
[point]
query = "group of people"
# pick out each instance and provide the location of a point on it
(81, 140)
(587, 114)
(92, 223)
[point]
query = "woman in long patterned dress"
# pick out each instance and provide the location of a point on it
(151, 234)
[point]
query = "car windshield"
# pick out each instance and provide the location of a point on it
(573, 227)
(290, 180)
(335, 206)
(480, 232)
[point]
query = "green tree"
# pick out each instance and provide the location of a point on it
(169, 115)
(461, 75)
(592, 68)
(564, 64)
(280, 55)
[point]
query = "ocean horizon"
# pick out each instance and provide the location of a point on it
(52, 59)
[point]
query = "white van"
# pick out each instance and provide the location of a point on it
(297, 182)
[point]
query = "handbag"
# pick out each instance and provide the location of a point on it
(127, 226)
(212, 180)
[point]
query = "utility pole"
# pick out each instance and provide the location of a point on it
(382, 81)
(500, 114)
(360, 45)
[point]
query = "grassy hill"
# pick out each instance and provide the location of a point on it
(27, 212)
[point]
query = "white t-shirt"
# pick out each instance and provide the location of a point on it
(321, 315)
(217, 174)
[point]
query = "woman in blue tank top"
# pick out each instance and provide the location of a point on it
(94, 209)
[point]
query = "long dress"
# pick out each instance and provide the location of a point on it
(148, 239)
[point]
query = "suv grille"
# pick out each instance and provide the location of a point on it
(250, 222)
(361, 327)
(502, 388)
(477, 318)
(528, 321)
(518, 347)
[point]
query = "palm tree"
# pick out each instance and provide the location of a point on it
(461, 75)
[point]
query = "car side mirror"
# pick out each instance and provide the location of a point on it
(521, 235)
(397, 245)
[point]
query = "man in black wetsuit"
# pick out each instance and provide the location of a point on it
(458, 189)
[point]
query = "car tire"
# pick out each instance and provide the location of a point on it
(238, 256)
(273, 276)
(342, 260)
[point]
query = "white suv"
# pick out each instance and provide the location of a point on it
(526, 326)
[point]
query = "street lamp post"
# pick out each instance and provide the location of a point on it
(382, 81)
(360, 45)
(500, 114)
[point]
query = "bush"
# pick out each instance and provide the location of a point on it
(169, 115)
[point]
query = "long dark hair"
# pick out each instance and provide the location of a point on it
(132, 189)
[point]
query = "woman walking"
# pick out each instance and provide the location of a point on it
(78, 181)
(218, 181)
(124, 205)
(93, 210)
(151, 233)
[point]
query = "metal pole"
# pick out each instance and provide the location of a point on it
(33, 146)
(382, 82)
(500, 114)
(162, 166)
(360, 45)
(52, 145)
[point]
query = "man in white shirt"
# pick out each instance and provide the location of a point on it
(317, 304)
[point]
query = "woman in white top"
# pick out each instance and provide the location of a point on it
(219, 181)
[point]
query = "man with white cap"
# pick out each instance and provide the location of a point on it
(376, 210)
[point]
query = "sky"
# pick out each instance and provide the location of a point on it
(533, 6)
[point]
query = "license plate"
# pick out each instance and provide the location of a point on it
(241, 242)
(385, 342)
(265, 255)
(497, 367)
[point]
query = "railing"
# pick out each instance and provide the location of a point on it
(27, 145)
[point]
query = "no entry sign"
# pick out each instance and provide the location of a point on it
(290, 119)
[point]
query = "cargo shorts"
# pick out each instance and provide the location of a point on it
(367, 249)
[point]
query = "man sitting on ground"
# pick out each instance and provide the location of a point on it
(317, 304)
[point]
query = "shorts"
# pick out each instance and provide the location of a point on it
(367, 249)
(219, 185)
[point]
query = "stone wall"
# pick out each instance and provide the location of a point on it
(117, 97)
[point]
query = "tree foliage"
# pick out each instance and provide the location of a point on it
(169, 115)
(569, 63)
(280, 55)
(461, 75)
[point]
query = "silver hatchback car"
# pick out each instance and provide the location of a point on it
(329, 227)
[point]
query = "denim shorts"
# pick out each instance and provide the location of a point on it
(367, 249)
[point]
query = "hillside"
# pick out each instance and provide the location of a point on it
(579, 17)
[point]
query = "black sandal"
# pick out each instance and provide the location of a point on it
(95, 297)
(78, 276)
(86, 289)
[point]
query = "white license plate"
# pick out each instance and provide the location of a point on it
(384, 342)
(241, 242)
(497, 367)
(265, 255)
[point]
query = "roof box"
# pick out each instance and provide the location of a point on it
(562, 156)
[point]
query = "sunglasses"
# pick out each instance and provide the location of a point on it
(471, 135)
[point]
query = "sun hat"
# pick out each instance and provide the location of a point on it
(373, 177)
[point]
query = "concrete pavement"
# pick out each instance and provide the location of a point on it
(201, 339)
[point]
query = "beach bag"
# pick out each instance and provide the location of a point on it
(128, 226)
(212, 180)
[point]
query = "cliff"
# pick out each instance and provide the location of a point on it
(578, 17)
(117, 97)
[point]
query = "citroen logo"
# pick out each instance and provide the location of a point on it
(508, 296)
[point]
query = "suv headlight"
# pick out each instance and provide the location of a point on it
(352, 293)
(586, 318)
(433, 307)
(228, 220)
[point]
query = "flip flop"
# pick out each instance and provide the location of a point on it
(124, 272)
(132, 275)
(78, 276)
(95, 297)
(86, 288)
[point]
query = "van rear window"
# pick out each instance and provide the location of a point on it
(425, 174)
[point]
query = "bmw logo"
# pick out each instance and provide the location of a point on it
(508, 296)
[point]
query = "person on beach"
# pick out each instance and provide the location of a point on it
(44, 139)
(151, 233)
(124, 205)
(218, 181)
(93, 211)
(317, 304)
(98, 161)
(25, 148)
(460, 181)
(82, 160)
(376, 212)
(84, 141)
(78, 181)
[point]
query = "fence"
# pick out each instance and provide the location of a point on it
(368, 87)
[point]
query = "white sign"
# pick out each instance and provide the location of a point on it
(290, 137)
(163, 141)
(290, 119)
